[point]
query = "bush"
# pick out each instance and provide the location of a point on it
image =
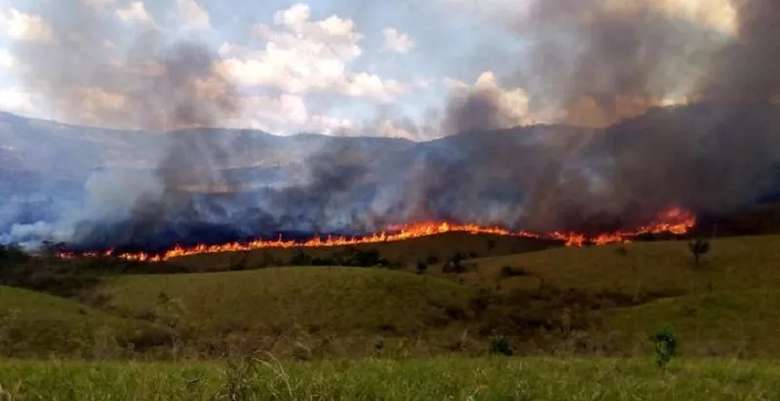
(500, 345)
(300, 259)
(665, 347)
(11, 254)
(422, 267)
(324, 262)
(365, 259)
(698, 248)
(480, 302)
(454, 265)
(509, 271)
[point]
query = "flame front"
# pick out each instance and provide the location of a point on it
(675, 221)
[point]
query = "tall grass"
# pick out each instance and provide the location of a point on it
(435, 379)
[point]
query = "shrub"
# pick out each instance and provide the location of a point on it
(454, 265)
(422, 267)
(509, 271)
(324, 262)
(698, 248)
(12, 253)
(300, 259)
(455, 312)
(365, 259)
(665, 347)
(238, 265)
(480, 302)
(500, 345)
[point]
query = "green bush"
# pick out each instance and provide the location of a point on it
(500, 345)
(665, 347)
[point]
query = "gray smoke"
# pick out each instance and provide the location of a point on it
(604, 67)
(102, 73)
(746, 69)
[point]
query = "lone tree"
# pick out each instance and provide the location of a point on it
(698, 248)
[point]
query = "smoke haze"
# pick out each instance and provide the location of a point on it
(650, 111)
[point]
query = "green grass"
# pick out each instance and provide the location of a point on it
(35, 324)
(434, 379)
(315, 307)
(743, 323)
(738, 263)
(616, 296)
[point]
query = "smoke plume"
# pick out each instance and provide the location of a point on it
(651, 108)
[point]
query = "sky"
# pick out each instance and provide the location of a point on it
(340, 67)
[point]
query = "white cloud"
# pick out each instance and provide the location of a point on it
(486, 105)
(372, 86)
(134, 12)
(98, 4)
(513, 102)
(192, 15)
(396, 41)
(303, 55)
(26, 27)
(7, 61)
(286, 114)
(18, 100)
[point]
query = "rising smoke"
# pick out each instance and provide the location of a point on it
(608, 66)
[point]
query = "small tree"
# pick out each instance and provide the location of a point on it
(698, 248)
(665, 347)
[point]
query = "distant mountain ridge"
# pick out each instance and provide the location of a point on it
(710, 158)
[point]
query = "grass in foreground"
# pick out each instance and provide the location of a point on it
(436, 379)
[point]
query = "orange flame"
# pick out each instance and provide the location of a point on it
(675, 221)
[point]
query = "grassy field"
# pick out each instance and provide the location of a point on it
(321, 309)
(433, 379)
(737, 263)
(589, 301)
(34, 324)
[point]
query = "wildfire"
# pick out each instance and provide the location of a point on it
(675, 221)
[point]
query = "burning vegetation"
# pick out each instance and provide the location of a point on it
(673, 221)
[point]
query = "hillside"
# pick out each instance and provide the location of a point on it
(401, 254)
(314, 309)
(35, 324)
(734, 263)
(602, 300)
